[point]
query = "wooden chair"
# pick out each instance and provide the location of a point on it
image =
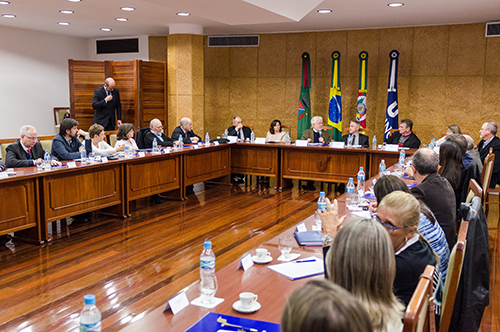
(453, 277)
(419, 314)
(486, 179)
(4, 143)
(46, 142)
(111, 137)
(59, 113)
(474, 190)
(329, 129)
(249, 126)
(288, 128)
(364, 131)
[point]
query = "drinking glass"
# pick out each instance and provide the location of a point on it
(208, 288)
(317, 219)
(39, 164)
(285, 246)
(371, 185)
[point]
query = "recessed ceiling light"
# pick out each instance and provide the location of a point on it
(8, 15)
(324, 11)
(4, 2)
(105, 29)
(183, 14)
(121, 19)
(395, 4)
(127, 8)
(73, 0)
(63, 23)
(66, 11)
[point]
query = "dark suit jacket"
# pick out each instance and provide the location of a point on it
(363, 140)
(2, 166)
(483, 152)
(437, 193)
(104, 112)
(63, 150)
(185, 135)
(412, 142)
(149, 138)
(231, 131)
(16, 156)
(309, 133)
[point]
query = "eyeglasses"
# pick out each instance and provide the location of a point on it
(389, 227)
(31, 138)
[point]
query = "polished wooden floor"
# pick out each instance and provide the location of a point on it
(137, 264)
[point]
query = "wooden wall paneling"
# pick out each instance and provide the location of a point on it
(125, 75)
(84, 78)
(153, 92)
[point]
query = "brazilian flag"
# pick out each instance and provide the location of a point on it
(335, 107)
(304, 115)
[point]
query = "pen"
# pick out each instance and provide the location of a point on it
(305, 261)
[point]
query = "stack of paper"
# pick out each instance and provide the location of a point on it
(306, 267)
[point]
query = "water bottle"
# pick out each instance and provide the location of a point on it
(181, 141)
(83, 155)
(252, 137)
(381, 168)
(155, 146)
(432, 144)
(90, 317)
(225, 134)
(207, 139)
(361, 182)
(374, 143)
(46, 160)
(349, 141)
(402, 157)
(349, 189)
(127, 152)
(207, 260)
(322, 201)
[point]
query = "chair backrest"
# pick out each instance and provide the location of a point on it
(4, 143)
(287, 128)
(419, 314)
(474, 190)
(329, 129)
(139, 137)
(112, 139)
(364, 131)
(46, 142)
(59, 113)
(453, 277)
(110, 133)
(487, 171)
(249, 126)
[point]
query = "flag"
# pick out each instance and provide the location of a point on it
(335, 106)
(392, 112)
(304, 115)
(361, 106)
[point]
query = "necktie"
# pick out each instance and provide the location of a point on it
(29, 153)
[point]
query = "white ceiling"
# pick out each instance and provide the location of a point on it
(153, 17)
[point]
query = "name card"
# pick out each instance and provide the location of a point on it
(260, 140)
(301, 227)
(337, 145)
(142, 154)
(104, 159)
(392, 147)
(216, 143)
(301, 142)
(232, 139)
(246, 262)
(71, 164)
(3, 175)
(177, 303)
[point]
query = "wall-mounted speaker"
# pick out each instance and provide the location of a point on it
(233, 41)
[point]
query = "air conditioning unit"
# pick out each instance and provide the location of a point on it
(233, 41)
(493, 29)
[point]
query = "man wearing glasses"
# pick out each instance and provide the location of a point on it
(26, 150)
(156, 132)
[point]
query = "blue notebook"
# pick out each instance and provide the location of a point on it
(212, 322)
(309, 238)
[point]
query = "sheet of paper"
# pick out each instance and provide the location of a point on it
(301, 142)
(302, 268)
(215, 302)
(260, 140)
(337, 145)
(392, 147)
(71, 164)
(362, 214)
(232, 139)
(104, 159)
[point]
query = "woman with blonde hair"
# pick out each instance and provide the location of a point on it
(99, 145)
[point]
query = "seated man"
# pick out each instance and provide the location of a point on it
(186, 130)
(26, 150)
(237, 129)
(66, 146)
(357, 137)
(405, 137)
(316, 134)
(99, 145)
(490, 140)
(473, 153)
(156, 127)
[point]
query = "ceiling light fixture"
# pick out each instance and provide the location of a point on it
(183, 14)
(121, 19)
(63, 23)
(129, 9)
(66, 11)
(106, 29)
(395, 4)
(4, 3)
(8, 15)
(324, 11)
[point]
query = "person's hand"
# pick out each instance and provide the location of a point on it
(119, 122)
(373, 207)
(321, 140)
(55, 162)
(409, 171)
(330, 218)
(309, 140)
(109, 98)
(239, 126)
(83, 133)
(195, 140)
(120, 148)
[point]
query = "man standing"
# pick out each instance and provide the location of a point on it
(489, 140)
(156, 127)
(66, 146)
(106, 100)
(26, 150)
(405, 137)
(435, 191)
(357, 137)
(316, 134)
(237, 129)
(186, 130)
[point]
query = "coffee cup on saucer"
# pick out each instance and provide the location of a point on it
(262, 254)
(248, 300)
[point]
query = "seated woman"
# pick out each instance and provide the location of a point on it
(450, 160)
(322, 306)
(275, 134)
(452, 129)
(125, 136)
(99, 145)
(361, 260)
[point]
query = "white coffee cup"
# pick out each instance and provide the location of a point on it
(262, 253)
(248, 300)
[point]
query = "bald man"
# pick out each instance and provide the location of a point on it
(106, 100)
(186, 130)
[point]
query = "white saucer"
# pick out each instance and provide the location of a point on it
(268, 259)
(237, 307)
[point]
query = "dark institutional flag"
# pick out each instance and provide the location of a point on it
(304, 115)
(392, 112)
(361, 107)
(335, 107)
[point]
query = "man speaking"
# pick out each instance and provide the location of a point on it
(106, 100)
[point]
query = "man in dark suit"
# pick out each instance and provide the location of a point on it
(489, 140)
(237, 129)
(26, 150)
(186, 130)
(405, 137)
(435, 191)
(316, 134)
(156, 127)
(106, 100)
(358, 138)
(66, 146)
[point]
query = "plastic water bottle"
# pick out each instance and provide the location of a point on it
(402, 157)
(127, 152)
(181, 141)
(361, 182)
(350, 191)
(46, 160)
(225, 134)
(432, 144)
(349, 141)
(90, 317)
(83, 155)
(207, 260)
(322, 201)
(207, 139)
(252, 137)
(381, 168)
(155, 146)
(374, 142)
(288, 140)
